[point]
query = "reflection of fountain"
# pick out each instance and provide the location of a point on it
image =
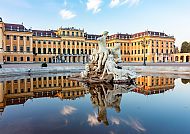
(103, 66)
(105, 96)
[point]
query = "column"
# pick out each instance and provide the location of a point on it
(31, 42)
(11, 37)
(1, 92)
(24, 38)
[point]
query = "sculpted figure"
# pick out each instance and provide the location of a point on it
(102, 51)
(94, 56)
(117, 53)
(84, 74)
(118, 74)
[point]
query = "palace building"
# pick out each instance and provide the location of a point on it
(21, 45)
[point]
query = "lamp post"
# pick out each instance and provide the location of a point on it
(144, 45)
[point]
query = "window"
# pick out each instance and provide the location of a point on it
(28, 49)
(49, 50)
(21, 48)
(8, 48)
(54, 51)
(8, 59)
(27, 38)
(14, 37)
(54, 42)
(67, 33)
(28, 58)
(14, 48)
(39, 50)
(21, 37)
(44, 42)
(49, 42)
(21, 58)
(72, 33)
(77, 34)
(15, 58)
(8, 37)
(39, 59)
(44, 50)
(63, 33)
(44, 59)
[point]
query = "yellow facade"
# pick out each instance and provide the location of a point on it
(21, 45)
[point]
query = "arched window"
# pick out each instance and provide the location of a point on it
(59, 51)
(64, 51)
(39, 50)
(68, 51)
(73, 51)
(34, 50)
(54, 51)
(44, 50)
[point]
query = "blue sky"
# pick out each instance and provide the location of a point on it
(95, 16)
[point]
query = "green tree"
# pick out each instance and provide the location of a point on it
(185, 47)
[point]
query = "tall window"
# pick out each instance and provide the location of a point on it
(8, 48)
(8, 37)
(72, 33)
(59, 51)
(39, 50)
(34, 50)
(14, 48)
(28, 58)
(21, 37)
(14, 37)
(63, 33)
(21, 48)
(27, 38)
(28, 49)
(44, 50)
(54, 51)
(64, 51)
(15, 58)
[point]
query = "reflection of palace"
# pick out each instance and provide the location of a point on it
(19, 91)
(154, 85)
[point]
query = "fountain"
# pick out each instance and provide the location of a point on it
(103, 65)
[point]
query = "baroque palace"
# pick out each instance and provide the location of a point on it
(21, 45)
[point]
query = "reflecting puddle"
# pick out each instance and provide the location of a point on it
(54, 104)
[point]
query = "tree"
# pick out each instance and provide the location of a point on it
(185, 47)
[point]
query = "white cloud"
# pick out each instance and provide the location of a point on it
(115, 121)
(92, 120)
(67, 14)
(68, 110)
(115, 3)
(94, 5)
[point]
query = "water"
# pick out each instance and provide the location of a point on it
(54, 104)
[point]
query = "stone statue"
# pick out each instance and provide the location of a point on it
(112, 68)
(94, 56)
(116, 52)
(85, 73)
(102, 51)
(103, 66)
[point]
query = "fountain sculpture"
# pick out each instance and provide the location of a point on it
(103, 66)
